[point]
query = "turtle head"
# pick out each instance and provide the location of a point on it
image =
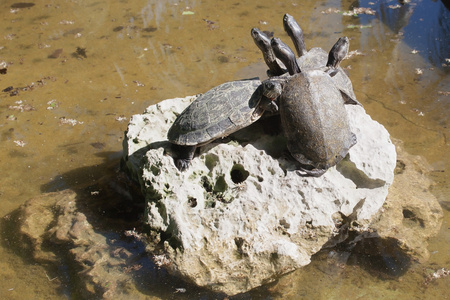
(338, 52)
(285, 54)
(261, 40)
(255, 32)
(271, 89)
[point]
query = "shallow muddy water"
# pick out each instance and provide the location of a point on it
(73, 72)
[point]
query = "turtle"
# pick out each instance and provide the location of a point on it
(311, 106)
(217, 113)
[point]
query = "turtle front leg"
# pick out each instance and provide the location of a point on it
(311, 173)
(183, 156)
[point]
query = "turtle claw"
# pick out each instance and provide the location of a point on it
(311, 173)
(182, 164)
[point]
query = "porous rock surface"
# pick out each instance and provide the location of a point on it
(241, 215)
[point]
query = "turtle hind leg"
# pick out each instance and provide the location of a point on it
(183, 156)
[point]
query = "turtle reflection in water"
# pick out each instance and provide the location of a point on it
(217, 113)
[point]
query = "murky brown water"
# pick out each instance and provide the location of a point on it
(95, 63)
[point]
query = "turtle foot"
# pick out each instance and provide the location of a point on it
(182, 155)
(182, 163)
(311, 173)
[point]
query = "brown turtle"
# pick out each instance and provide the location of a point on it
(217, 113)
(313, 116)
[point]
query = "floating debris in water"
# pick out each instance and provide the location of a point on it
(11, 117)
(161, 260)
(359, 26)
(10, 36)
(133, 233)
(138, 83)
(447, 63)
(330, 11)
(66, 22)
(121, 118)
(211, 24)
(187, 12)
(21, 107)
(436, 275)
(419, 71)
(414, 51)
(419, 113)
(43, 46)
(354, 53)
(394, 6)
(52, 104)
(20, 143)
(444, 93)
(180, 290)
(359, 11)
(73, 122)
(355, 12)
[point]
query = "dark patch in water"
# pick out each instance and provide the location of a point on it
(73, 31)
(98, 145)
(55, 54)
(22, 5)
(150, 29)
(223, 59)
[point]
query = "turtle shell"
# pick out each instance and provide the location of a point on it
(316, 58)
(217, 113)
(314, 120)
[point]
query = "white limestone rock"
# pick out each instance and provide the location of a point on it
(241, 215)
